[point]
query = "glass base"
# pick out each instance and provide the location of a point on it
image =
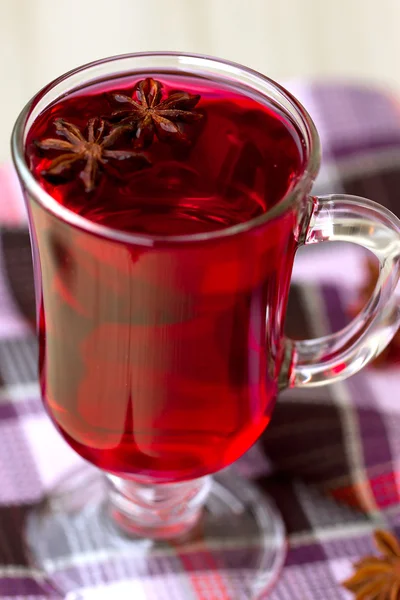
(160, 512)
(235, 550)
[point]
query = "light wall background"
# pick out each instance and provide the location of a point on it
(352, 39)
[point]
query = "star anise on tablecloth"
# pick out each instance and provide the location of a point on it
(93, 149)
(149, 115)
(378, 578)
(392, 352)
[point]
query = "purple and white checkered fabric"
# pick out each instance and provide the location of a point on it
(332, 453)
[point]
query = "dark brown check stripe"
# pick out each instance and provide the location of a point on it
(18, 360)
(12, 519)
(18, 269)
(381, 186)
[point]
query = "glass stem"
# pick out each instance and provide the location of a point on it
(158, 511)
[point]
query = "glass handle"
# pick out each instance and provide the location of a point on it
(337, 356)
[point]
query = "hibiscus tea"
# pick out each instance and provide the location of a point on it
(160, 323)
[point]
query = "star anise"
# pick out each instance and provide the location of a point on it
(378, 578)
(149, 115)
(392, 352)
(93, 149)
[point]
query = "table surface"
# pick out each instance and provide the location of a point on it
(330, 456)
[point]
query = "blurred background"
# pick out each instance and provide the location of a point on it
(285, 39)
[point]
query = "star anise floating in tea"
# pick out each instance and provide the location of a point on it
(391, 354)
(378, 578)
(93, 149)
(148, 115)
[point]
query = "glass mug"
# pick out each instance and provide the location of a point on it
(161, 357)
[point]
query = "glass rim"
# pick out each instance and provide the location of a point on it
(303, 185)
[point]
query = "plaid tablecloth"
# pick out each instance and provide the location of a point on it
(333, 454)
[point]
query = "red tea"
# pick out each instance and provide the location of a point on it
(159, 356)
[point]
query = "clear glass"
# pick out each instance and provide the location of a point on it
(344, 218)
(176, 499)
